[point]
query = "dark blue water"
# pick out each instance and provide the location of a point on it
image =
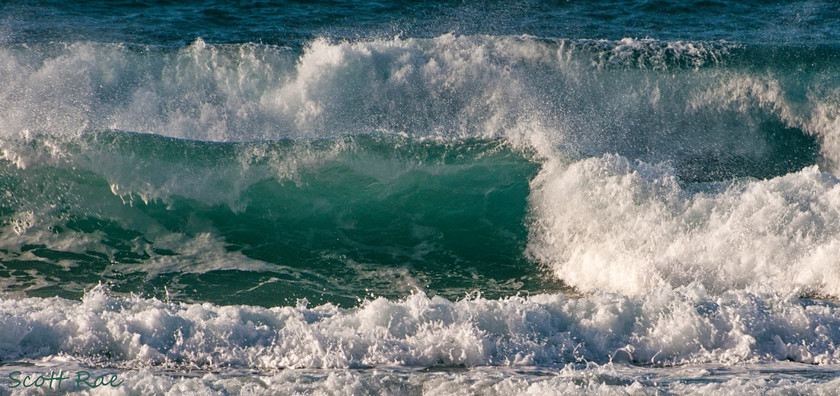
(295, 23)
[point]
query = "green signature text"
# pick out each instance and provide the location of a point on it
(53, 380)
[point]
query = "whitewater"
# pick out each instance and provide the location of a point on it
(451, 200)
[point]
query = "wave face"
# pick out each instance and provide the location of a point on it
(331, 221)
(522, 213)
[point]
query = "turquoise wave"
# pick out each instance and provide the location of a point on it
(266, 223)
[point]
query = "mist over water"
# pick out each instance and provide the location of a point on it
(523, 206)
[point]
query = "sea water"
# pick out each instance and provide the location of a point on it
(401, 198)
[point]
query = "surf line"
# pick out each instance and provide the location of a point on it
(82, 379)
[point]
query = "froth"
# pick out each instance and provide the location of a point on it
(610, 223)
(668, 326)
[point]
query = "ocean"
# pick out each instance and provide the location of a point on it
(351, 197)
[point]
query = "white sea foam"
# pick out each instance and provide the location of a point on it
(667, 326)
(613, 224)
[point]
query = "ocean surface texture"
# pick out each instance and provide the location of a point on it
(583, 197)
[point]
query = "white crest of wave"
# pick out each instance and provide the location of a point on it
(255, 92)
(453, 86)
(609, 223)
(645, 99)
